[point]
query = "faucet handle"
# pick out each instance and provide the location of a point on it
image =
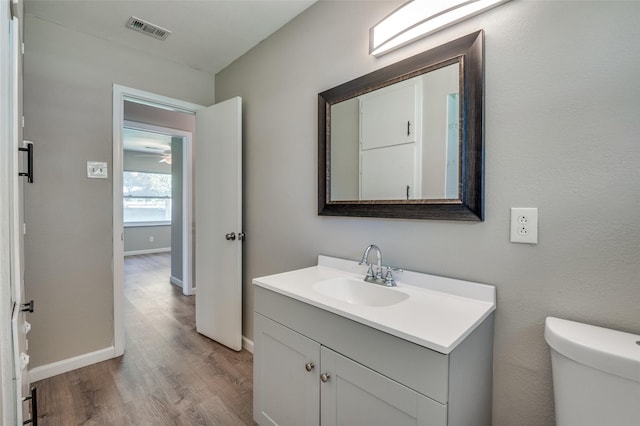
(370, 273)
(388, 279)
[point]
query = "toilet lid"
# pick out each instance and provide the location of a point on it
(612, 351)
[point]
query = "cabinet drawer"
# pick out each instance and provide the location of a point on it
(416, 367)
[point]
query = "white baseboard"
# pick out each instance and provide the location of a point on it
(247, 344)
(49, 370)
(175, 281)
(59, 367)
(148, 251)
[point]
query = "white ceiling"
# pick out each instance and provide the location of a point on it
(206, 35)
(143, 141)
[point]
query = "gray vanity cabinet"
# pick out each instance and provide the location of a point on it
(300, 382)
(313, 367)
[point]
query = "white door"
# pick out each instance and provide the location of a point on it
(389, 173)
(218, 222)
(390, 142)
(20, 165)
(15, 378)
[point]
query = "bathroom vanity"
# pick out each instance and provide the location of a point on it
(331, 349)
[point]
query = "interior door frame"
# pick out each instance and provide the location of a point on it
(120, 94)
(8, 394)
(187, 196)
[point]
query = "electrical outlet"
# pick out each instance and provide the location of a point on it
(524, 225)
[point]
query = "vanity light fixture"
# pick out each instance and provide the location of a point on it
(419, 18)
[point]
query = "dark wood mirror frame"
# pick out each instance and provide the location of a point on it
(469, 52)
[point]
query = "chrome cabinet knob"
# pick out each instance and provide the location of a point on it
(230, 236)
(309, 366)
(325, 377)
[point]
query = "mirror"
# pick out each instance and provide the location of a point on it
(406, 141)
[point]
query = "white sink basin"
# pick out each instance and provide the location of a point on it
(431, 311)
(359, 292)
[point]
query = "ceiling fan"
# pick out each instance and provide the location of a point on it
(148, 152)
(166, 157)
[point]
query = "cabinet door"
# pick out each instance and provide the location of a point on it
(389, 116)
(285, 376)
(356, 395)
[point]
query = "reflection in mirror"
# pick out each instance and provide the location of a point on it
(406, 141)
(400, 142)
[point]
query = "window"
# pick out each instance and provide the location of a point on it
(147, 197)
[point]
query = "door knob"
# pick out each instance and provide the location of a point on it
(230, 236)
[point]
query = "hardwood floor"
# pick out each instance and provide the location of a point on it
(169, 374)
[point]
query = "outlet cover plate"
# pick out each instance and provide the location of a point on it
(524, 225)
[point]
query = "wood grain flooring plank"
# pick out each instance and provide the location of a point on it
(169, 374)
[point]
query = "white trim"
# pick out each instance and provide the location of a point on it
(120, 93)
(247, 344)
(8, 396)
(148, 251)
(143, 224)
(175, 281)
(65, 365)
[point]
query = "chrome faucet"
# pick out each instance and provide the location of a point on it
(376, 276)
(371, 276)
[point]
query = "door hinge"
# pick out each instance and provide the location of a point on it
(23, 48)
(23, 121)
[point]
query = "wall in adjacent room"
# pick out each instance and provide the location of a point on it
(68, 87)
(561, 126)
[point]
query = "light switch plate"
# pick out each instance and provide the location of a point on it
(97, 170)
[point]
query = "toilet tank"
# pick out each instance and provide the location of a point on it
(596, 374)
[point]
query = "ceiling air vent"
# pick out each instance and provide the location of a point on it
(148, 28)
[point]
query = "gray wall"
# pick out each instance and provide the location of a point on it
(176, 208)
(68, 109)
(436, 86)
(137, 239)
(345, 150)
(561, 134)
(160, 117)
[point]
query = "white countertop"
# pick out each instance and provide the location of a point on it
(439, 313)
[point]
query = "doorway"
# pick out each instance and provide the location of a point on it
(156, 195)
(219, 165)
(122, 95)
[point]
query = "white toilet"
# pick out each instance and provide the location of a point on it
(596, 374)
